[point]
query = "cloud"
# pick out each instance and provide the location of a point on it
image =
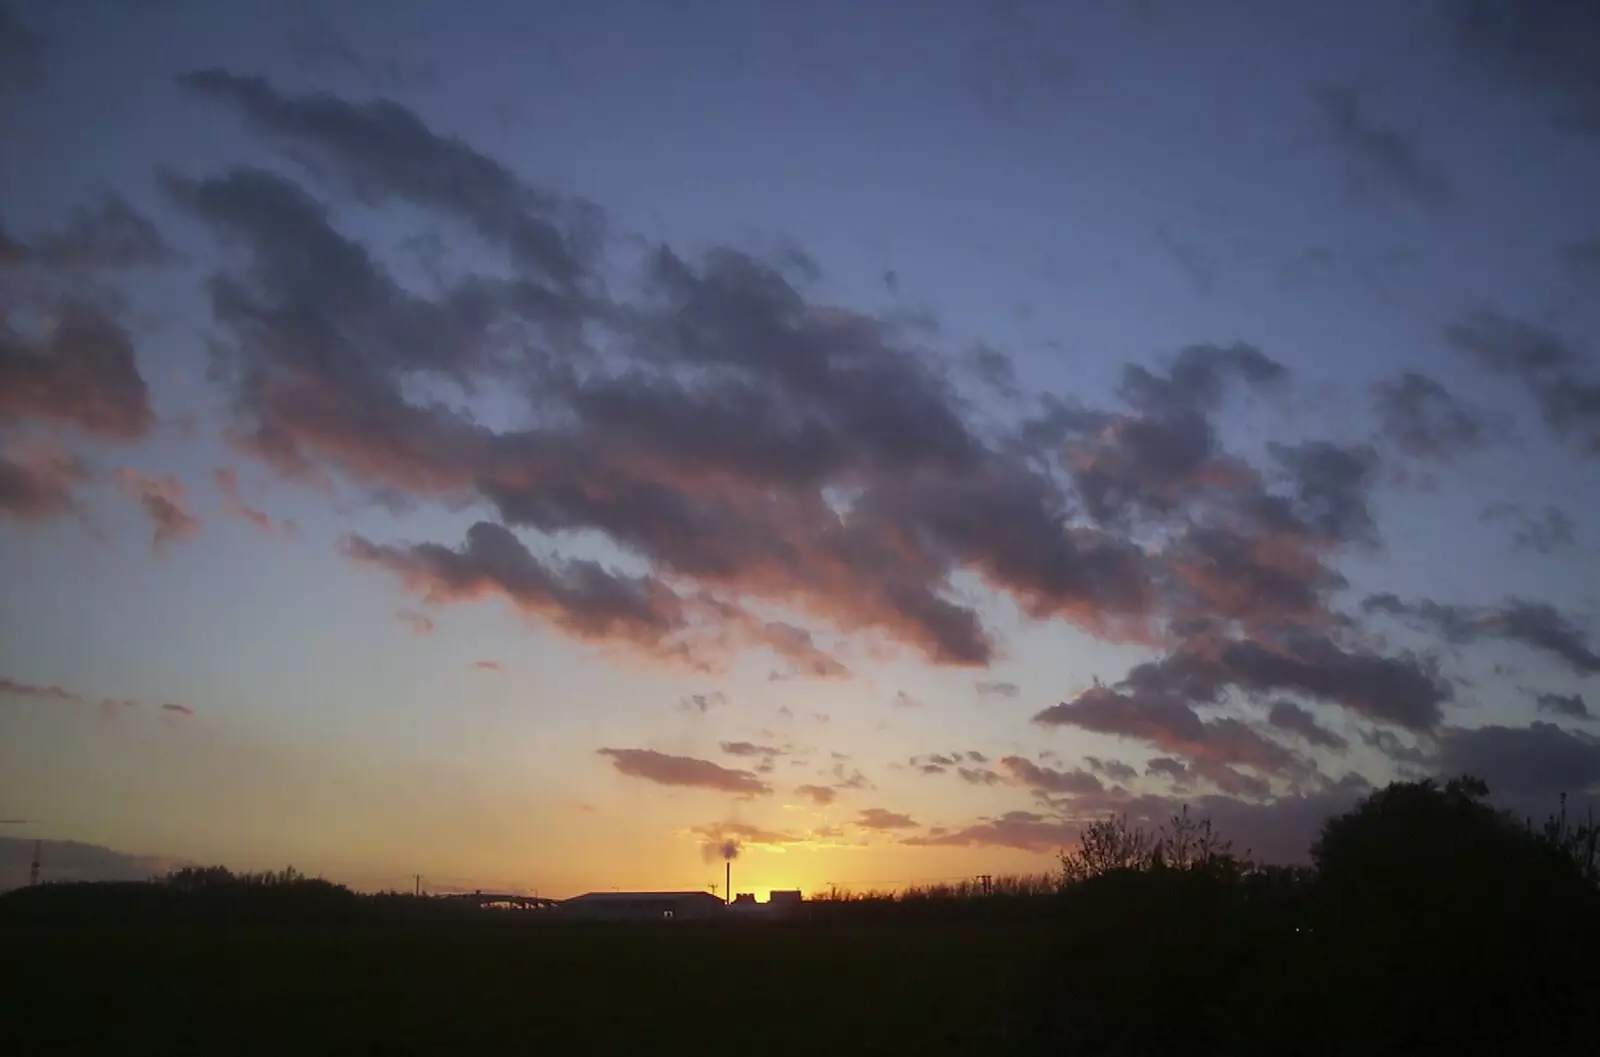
(420, 623)
(1536, 625)
(582, 598)
(1548, 531)
(68, 860)
(1557, 373)
(227, 482)
(718, 838)
(1048, 779)
(1171, 725)
(488, 666)
(1543, 49)
(1015, 829)
(713, 445)
(905, 700)
(1288, 716)
(383, 150)
(22, 51)
(1541, 759)
(177, 709)
(702, 703)
(979, 776)
(684, 771)
(1116, 770)
(1582, 258)
(37, 482)
(1573, 706)
(82, 372)
(877, 818)
(821, 795)
(13, 688)
(161, 499)
(112, 234)
(745, 748)
(997, 688)
(1422, 418)
(1382, 153)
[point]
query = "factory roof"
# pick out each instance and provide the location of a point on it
(624, 897)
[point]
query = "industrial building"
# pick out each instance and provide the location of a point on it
(642, 906)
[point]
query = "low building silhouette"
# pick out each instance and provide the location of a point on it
(642, 906)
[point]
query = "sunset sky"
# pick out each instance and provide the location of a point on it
(530, 444)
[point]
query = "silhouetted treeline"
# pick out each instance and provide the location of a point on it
(1429, 922)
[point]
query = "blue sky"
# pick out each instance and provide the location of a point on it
(1350, 192)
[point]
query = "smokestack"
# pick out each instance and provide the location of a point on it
(727, 881)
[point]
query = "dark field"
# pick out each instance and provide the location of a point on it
(437, 989)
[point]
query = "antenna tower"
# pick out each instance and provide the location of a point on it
(33, 871)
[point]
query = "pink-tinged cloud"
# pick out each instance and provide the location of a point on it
(227, 482)
(161, 499)
(685, 771)
(37, 481)
(488, 666)
(878, 818)
(820, 795)
(13, 688)
(1015, 829)
(177, 709)
(83, 373)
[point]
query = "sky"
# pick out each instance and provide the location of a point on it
(552, 446)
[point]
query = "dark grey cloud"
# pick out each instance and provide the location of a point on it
(1545, 49)
(877, 818)
(1171, 725)
(1048, 779)
(111, 234)
(1541, 759)
(22, 50)
(820, 795)
(383, 150)
(1288, 716)
(1582, 259)
(905, 700)
(978, 776)
(1330, 487)
(1024, 830)
(1116, 770)
(84, 373)
(13, 688)
(1559, 374)
(1546, 531)
(63, 861)
(1377, 151)
(581, 597)
(747, 748)
(664, 769)
(1422, 418)
(1573, 706)
(997, 688)
(1536, 625)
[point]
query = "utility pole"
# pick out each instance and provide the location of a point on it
(33, 872)
(417, 890)
(987, 881)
